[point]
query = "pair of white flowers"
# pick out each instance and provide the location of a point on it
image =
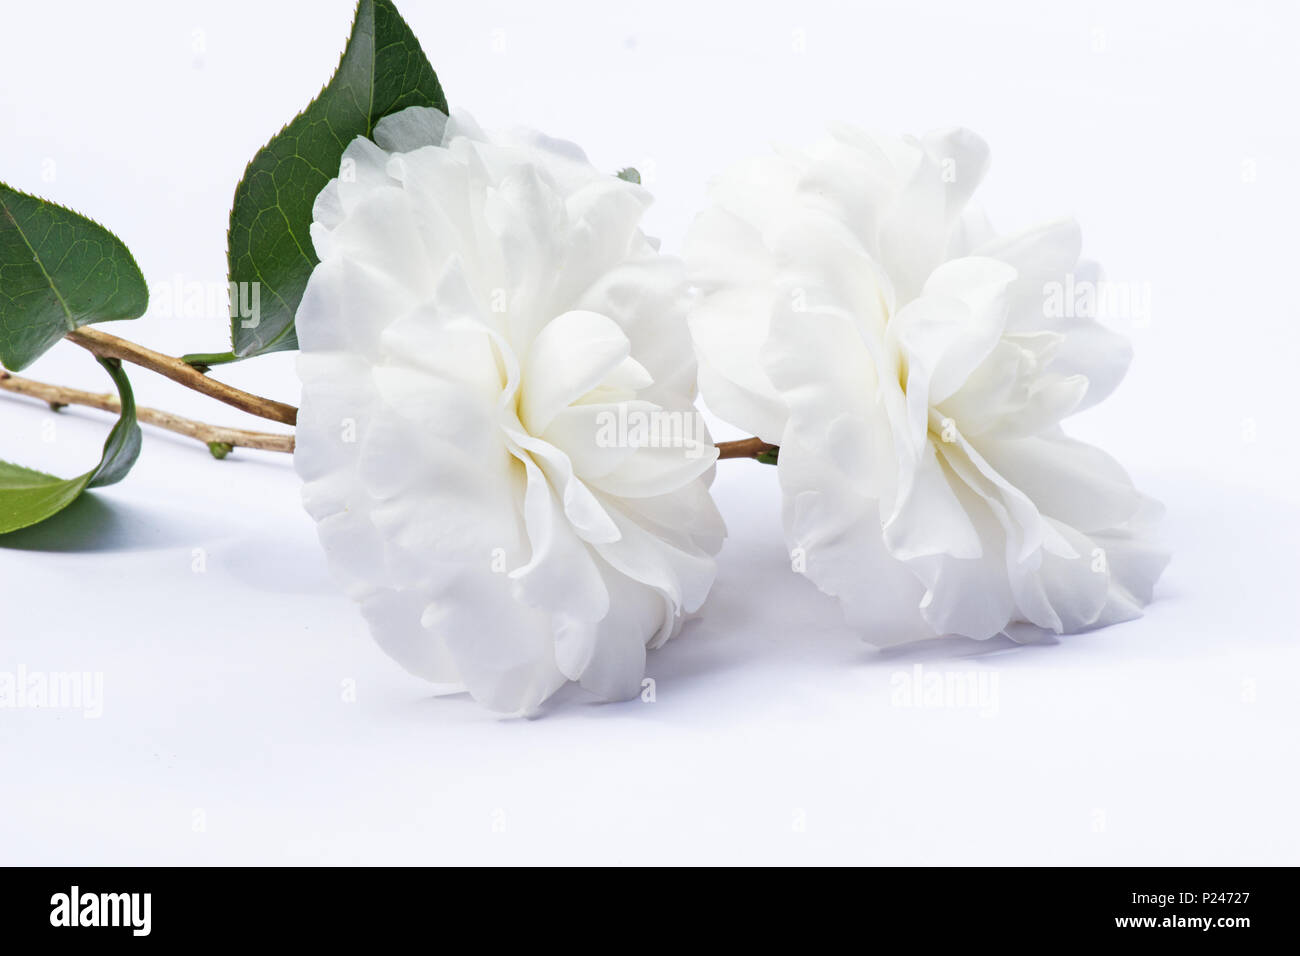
(485, 306)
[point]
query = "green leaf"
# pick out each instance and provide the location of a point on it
(28, 497)
(203, 361)
(383, 70)
(630, 175)
(58, 272)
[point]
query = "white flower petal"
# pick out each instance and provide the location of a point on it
(407, 130)
(504, 650)
(963, 159)
(395, 620)
(951, 329)
(1068, 480)
(641, 294)
(571, 355)
(728, 335)
(929, 518)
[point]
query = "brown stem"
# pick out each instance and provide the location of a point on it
(110, 346)
(748, 448)
(210, 435)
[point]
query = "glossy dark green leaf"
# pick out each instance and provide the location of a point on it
(58, 272)
(383, 70)
(28, 497)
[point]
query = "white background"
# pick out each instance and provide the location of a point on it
(1169, 129)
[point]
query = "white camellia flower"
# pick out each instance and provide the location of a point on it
(486, 345)
(915, 368)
